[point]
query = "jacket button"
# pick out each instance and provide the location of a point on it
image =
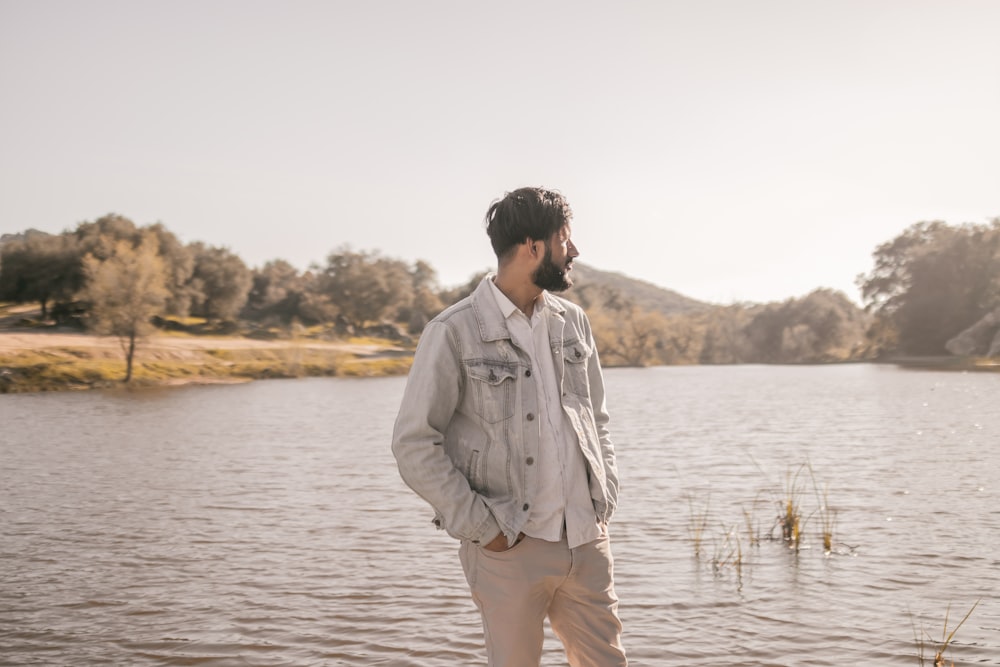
(527, 373)
(526, 507)
(530, 417)
(530, 460)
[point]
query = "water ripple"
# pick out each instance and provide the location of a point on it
(265, 524)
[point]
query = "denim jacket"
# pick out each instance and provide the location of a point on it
(464, 438)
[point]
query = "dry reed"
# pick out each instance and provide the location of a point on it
(696, 525)
(946, 638)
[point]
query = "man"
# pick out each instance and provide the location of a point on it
(503, 430)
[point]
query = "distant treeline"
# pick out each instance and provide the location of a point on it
(934, 289)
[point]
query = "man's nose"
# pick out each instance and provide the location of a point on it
(573, 251)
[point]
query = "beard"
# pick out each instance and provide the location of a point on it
(548, 276)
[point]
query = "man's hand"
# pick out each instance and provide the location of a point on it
(499, 543)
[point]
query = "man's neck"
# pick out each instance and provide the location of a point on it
(522, 293)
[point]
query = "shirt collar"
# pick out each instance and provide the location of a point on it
(507, 306)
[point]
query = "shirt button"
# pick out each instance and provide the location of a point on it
(530, 417)
(530, 460)
(526, 507)
(527, 373)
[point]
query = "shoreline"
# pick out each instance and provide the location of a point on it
(54, 359)
(33, 360)
(943, 363)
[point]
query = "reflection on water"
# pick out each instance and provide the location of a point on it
(265, 524)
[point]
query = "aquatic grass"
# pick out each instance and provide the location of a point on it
(728, 552)
(697, 521)
(791, 517)
(827, 516)
(751, 522)
(946, 638)
(789, 508)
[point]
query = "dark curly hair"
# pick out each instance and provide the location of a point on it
(525, 213)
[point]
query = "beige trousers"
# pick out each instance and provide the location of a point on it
(516, 589)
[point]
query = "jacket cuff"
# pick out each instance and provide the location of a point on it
(489, 531)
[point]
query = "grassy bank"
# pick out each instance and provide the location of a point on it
(948, 363)
(54, 368)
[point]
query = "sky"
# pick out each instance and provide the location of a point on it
(729, 150)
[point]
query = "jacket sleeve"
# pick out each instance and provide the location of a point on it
(432, 395)
(601, 417)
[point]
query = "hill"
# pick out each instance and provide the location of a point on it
(594, 286)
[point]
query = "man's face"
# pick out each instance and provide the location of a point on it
(553, 273)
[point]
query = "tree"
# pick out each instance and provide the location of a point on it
(124, 292)
(625, 333)
(178, 264)
(425, 303)
(365, 287)
(725, 340)
(274, 290)
(220, 282)
(99, 238)
(680, 340)
(932, 282)
(820, 327)
(279, 293)
(38, 267)
(456, 294)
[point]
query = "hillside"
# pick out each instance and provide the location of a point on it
(590, 285)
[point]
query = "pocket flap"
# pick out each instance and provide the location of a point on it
(493, 374)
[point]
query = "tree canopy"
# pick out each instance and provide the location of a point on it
(38, 267)
(220, 283)
(932, 289)
(124, 291)
(930, 283)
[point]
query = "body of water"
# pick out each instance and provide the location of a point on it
(265, 524)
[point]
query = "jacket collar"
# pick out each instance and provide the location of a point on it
(491, 320)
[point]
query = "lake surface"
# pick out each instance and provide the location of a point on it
(265, 523)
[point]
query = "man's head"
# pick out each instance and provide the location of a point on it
(537, 220)
(525, 214)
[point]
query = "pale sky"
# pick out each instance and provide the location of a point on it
(729, 150)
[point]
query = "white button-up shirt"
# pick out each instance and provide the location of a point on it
(562, 500)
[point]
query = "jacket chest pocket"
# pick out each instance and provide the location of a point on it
(575, 355)
(492, 389)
